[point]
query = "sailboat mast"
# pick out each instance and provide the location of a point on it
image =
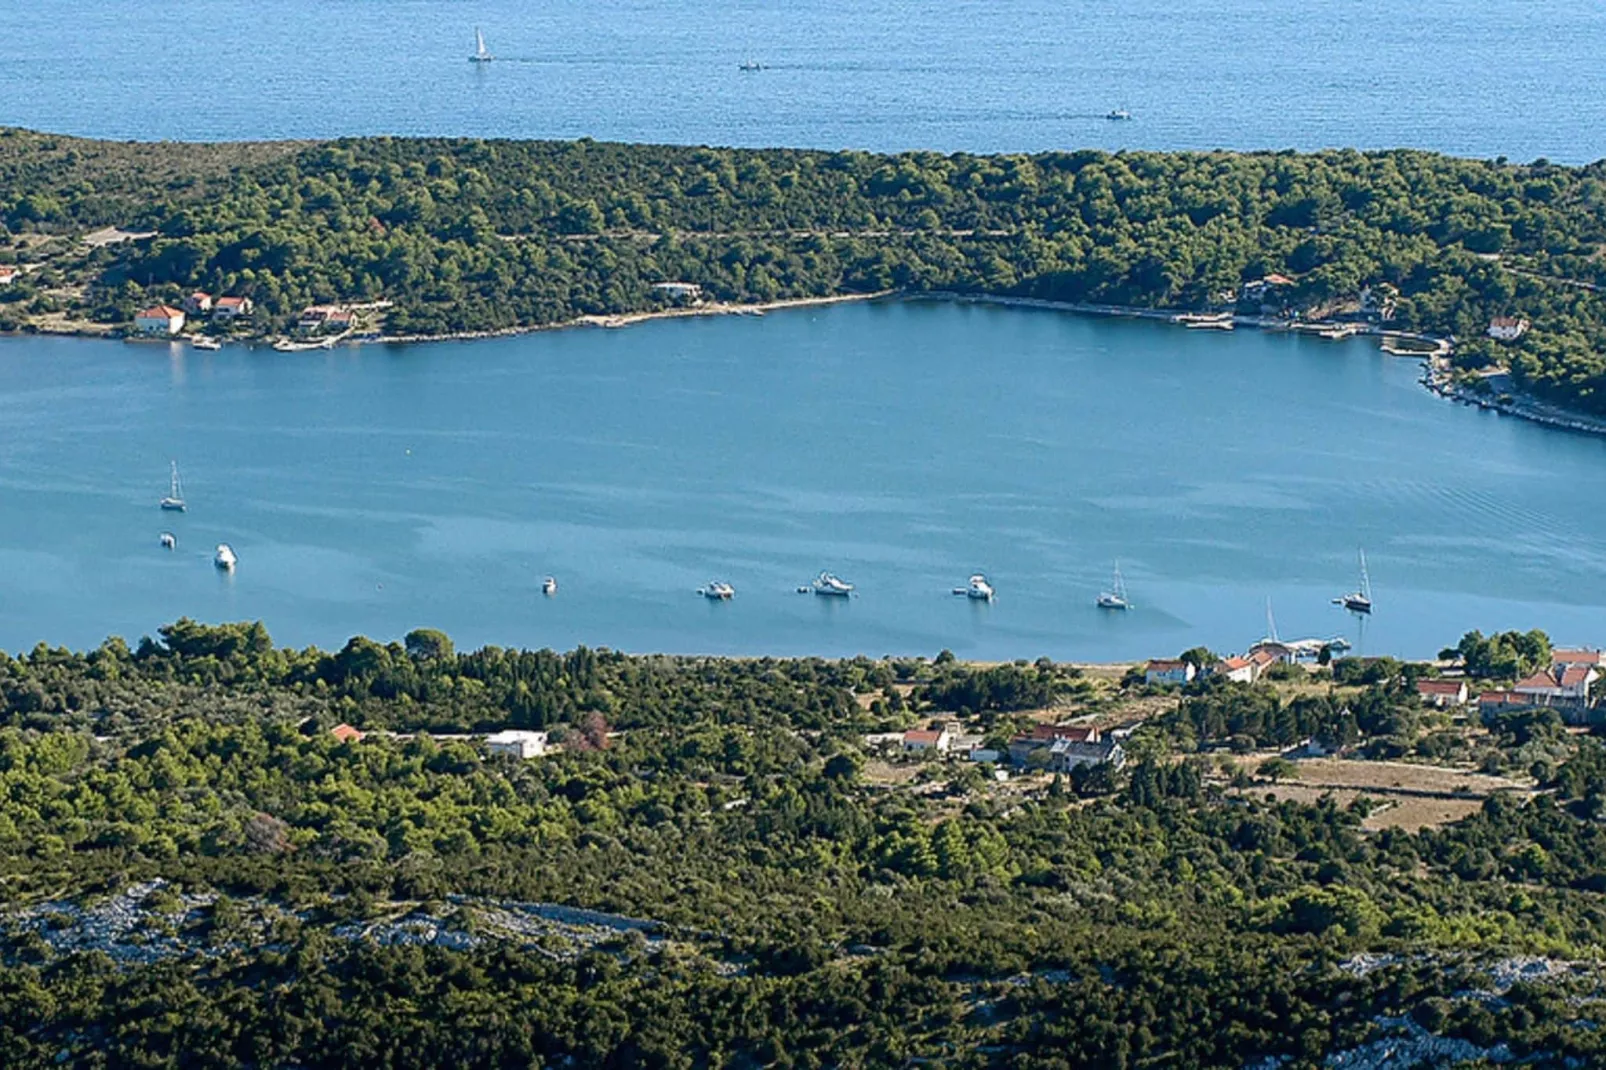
(1366, 581)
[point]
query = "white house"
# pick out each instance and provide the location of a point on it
(517, 743)
(1507, 328)
(162, 319)
(1239, 670)
(1442, 693)
(1066, 754)
(920, 740)
(1168, 672)
(228, 308)
(678, 291)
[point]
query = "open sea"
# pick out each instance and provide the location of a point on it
(1514, 78)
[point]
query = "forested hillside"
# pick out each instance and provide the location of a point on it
(194, 870)
(481, 235)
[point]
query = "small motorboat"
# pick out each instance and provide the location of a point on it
(751, 65)
(718, 591)
(1118, 115)
(827, 585)
(549, 586)
(169, 541)
(224, 557)
(978, 589)
(203, 342)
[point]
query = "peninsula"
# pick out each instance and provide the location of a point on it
(380, 237)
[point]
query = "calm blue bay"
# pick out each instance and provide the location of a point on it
(903, 445)
(1519, 78)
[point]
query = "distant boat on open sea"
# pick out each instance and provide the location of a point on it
(481, 53)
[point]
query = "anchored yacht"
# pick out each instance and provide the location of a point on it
(828, 586)
(978, 588)
(1359, 601)
(718, 591)
(224, 557)
(174, 502)
(1115, 597)
(549, 586)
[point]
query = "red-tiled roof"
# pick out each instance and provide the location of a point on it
(1537, 681)
(159, 312)
(1575, 657)
(1502, 698)
(1166, 665)
(1440, 687)
(1573, 675)
(1507, 321)
(347, 734)
(1233, 664)
(1077, 733)
(923, 735)
(231, 302)
(1278, 280)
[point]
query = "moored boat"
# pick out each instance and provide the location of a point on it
(224, 557)
(718, 591)
(549, 586)
(1115, 597)
(977, 588)
(174, 502)
(827, 585)
(169, 541)
(1359, 601)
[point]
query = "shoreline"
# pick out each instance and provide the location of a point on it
(1435, 377)
(628, 319)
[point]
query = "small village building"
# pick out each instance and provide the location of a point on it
(159, 320)
(1503, 702)
(678, 291)
(198, 302)
(1239, 670)
(517, 743)
(344, 733)
(1065, 755)
(923, 740)
(1593, 658)
(1262, 658)
(1264, 291)
(984, 754)
(228, 308)
(1168, 672)
(1507, 328)
(9, 273)
(1442, 693)
(1271, 651)
(312, 318)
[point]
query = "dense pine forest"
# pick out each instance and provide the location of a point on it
(469, 235)
(717, 866)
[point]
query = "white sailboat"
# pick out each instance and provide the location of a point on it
(1359, 601)
(1115, 597)
(174, 502)
(481, 53)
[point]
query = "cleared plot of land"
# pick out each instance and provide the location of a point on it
(1413, 796)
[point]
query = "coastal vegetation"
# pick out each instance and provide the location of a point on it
(719, 868)
(472, 235)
